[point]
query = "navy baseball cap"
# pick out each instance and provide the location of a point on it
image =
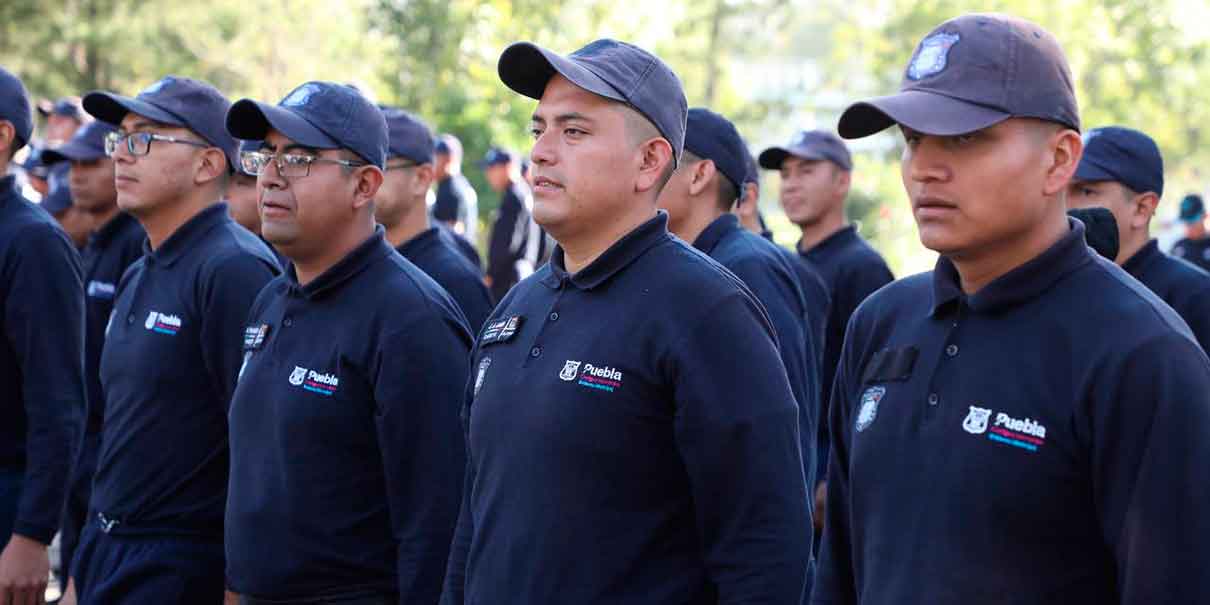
(1192, 208)
(68, 107)
(753, 167)
(33, 165)
(1123, 155)
(322, 115)
(809, 145)
(87, 144)
(448, 144)
(615, 70)
(58, 194)
(408, 137)
(496, 156)
(710, 136)
(14, 107)
(972, 72)
(175, 101)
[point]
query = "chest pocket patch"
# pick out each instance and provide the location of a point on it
(889, 365)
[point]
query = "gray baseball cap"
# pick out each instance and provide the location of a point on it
(809, 145)
(608, 68)
(972, 72)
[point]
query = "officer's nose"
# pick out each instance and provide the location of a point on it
(925, 161)
(543, 153)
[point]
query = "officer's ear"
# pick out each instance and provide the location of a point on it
(425, 173)
(1063, 151)
(1144, 208)
(701, 176)
(211, 167)
(366, 181)
(655, 165)
(8, 135)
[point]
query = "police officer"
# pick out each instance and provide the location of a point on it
(1195, 246)
(58, 204)
(698, 199)
(399, 206)
(456, 205)
(172, 351)
(346, 455)
(63, 117)
(617, 452)
(242, 200)
(517, 244)
(998, 437)
(112, 247)
(1122, 170)
(41, 366)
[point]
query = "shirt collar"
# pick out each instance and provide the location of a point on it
(352, 264)
(1018, 286)
(715, 232)
(839, 239)
(101, 237)
(620, 255)
(185, 239)
(419, 240)
(1134, 266)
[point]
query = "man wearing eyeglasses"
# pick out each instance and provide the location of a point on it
(399, 206)
(41, 365)
(346, 449)
(172, 352)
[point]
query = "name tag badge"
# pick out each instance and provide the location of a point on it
(501, 330)
(254, 336)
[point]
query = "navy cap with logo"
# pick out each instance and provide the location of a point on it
(972, 72)
(809, 145)
(175, 101)
(58, 193)
(496, 156)
(33, 165)
(1192, 208)
(710, 136)
(408, 136)
(14, 107)
(321, 115)
(608, 68)
(1123, 155)
(87, 144)
(68, 107)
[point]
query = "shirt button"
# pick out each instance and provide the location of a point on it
(933, 399)
(288, 322)
(554, 316)
(535, 352)
(951, 350)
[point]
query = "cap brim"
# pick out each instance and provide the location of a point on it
(74, 152)
(252, 120)
(922, 111)
(771, 158)
(527, 68)
(111, 109)
(1089, 172)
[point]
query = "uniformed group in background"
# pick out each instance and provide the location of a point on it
(251, 355)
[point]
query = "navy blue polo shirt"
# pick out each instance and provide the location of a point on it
(618, 453)
(436, 253)
(347, 452)
(1196, 251)
(772, 279)
(456, 201)
(168, 368)
(1019, 445)
(515, 238)
(1182, 285)
(852, 270)
(41, 358)
(464, 245)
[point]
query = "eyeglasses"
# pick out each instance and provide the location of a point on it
(401, 166)
(290, 165)
(139, 143)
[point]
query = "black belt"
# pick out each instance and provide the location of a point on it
(362, 600)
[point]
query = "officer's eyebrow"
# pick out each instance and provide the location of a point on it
(290, 147)
(562, 118)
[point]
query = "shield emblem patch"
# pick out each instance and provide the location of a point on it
(570, 370)
(869, 407)
(297, 376)
(976, 421)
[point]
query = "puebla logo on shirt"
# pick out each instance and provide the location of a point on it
(162, 323)
(1026, 434)
(869, 407)
(315, 382)
(601, 378)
